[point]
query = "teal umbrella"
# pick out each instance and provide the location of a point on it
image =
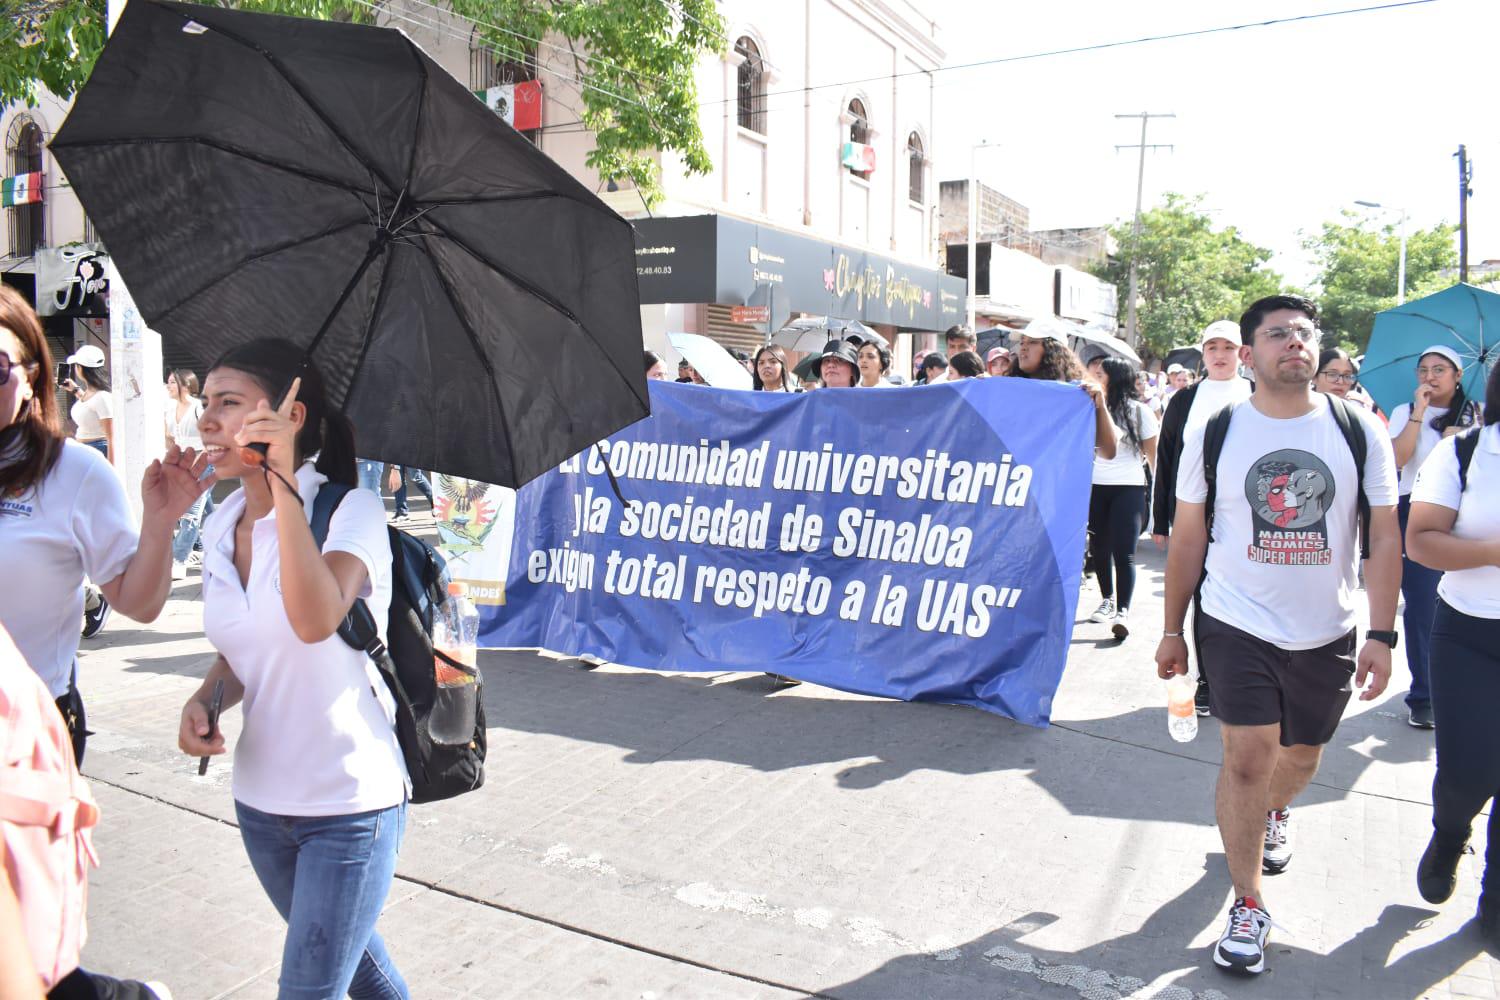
(1463, 317)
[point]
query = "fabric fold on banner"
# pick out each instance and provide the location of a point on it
(921, 543)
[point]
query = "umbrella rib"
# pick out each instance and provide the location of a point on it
(273, 251)
(551, 302)
(223, 147)
(416, 132)
(484, 359)
(364, 350)
(312, 105)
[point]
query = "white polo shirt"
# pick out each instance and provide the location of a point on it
(76, 523)
(319, 736)
(1474, 592)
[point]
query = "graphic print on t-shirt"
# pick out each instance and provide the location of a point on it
(1289, 492)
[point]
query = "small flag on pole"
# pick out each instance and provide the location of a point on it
(22, 189)
(520, 104)
(858, 156)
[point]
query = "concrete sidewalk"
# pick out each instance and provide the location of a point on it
(671, 835)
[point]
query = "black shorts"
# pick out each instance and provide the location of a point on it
(1252, 682)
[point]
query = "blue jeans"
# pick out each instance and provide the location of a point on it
(422, 485)
(1419, 589)
(369, 474)
(101, 445)
(188, 527)
(328, 877)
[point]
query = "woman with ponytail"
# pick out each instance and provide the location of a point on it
(320, 786)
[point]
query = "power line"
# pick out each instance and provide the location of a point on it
(1072, 50)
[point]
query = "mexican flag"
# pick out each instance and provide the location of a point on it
(858, 156)
(22, 189)
(520, 104)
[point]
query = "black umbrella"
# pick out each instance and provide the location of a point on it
(1188, 357)
(473, 307)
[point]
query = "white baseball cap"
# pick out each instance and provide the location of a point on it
(1047, 328)
(1221, 330)
(89, 356)
(1174, 369)
(1442, 350)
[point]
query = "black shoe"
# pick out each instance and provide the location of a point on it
(94, 618)
(1437, 872)
(1421, 717)
(1200, 697)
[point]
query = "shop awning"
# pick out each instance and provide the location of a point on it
(714, 258)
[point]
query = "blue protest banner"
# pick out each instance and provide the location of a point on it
(920, 543)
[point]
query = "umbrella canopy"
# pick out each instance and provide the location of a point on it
(810, 333)
(1188, 357)
(473, 308)
(1463, 317)
(1084, 336)
(718, 367)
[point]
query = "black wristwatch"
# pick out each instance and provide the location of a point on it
(1389, 638)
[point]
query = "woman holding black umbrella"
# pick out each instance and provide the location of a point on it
(320, 785)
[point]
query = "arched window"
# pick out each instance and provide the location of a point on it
(917, 164)
(28, 223)
(751, 93)
(859, 131)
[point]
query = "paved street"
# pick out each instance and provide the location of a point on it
(671, 835)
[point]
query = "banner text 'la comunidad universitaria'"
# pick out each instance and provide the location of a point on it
(921, 543)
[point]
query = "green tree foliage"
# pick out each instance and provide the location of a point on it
(1190, 273)
(634, 61)
(1357, 268)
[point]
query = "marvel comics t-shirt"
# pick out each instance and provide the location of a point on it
(1283, 560)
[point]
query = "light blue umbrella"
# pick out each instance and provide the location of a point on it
(1463, 317)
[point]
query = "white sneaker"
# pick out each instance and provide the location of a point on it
(1242, 946)
(179, 570)
(1278, 847)
(1121, 627)
(1106, 612)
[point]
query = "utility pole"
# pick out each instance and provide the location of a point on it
(1465, 175)
(1140, 186)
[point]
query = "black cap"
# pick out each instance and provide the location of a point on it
(841, 349)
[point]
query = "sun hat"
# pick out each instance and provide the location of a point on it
(841, 349)
(88, 356)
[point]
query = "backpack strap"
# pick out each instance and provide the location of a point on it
(1214, 434)
(1464, 446)
(1354, 435)
(358, 628)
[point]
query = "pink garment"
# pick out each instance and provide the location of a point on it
(46, 818)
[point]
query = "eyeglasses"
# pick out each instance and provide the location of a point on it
(1337, 377)
(6, 364)
(1279, 335)
(1438, 370)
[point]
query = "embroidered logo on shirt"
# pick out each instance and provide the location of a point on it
(1290, 492)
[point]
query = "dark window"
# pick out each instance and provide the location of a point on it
(859, 130)
(752, 87)
(916, 189)
(488, 68)
(28, 223)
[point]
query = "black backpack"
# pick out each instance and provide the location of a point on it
(1349, 425)
(419, 584)
(1464, 445)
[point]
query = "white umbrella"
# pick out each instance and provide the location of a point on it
(1108, 341)
(718, 367)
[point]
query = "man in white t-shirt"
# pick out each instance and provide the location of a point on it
(1275, 628)
(1190, 409)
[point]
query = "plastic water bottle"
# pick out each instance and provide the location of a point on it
(1182, 717)
(455, 635)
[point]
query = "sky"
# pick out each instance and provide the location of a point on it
(1279, 127)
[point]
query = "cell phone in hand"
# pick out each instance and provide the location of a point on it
(213, 720)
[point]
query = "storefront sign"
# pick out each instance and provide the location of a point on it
(710, 258)
(72, 281)
(750, 314)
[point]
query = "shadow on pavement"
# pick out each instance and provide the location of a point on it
(1002, 964)
(1117, 767)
